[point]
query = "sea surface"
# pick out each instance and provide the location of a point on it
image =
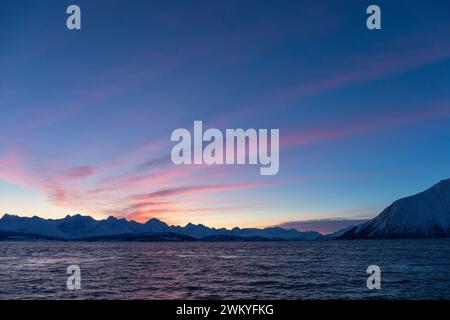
(410, 269)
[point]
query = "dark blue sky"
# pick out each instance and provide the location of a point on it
(86, 116)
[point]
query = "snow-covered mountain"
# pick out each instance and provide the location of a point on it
(424, 215)
(83, 227)
(33, 225)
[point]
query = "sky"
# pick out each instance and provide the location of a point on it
(86, 115)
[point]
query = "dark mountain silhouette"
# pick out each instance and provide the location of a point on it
(80, 227)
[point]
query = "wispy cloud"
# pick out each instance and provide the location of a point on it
(408, 54)
(182, 191)
(359, 126)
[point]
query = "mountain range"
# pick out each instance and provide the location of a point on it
(424, 215)
(80, 227)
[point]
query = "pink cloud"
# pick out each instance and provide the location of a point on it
(370, 67)
(407, 55)
(182, 191)
(361, 126)
(79, 172)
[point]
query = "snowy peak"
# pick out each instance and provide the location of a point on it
(423, 215)
(155, 225)
(113, 226)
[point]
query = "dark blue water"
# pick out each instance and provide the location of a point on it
(410, 269)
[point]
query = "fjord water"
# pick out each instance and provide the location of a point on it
(410, 269)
